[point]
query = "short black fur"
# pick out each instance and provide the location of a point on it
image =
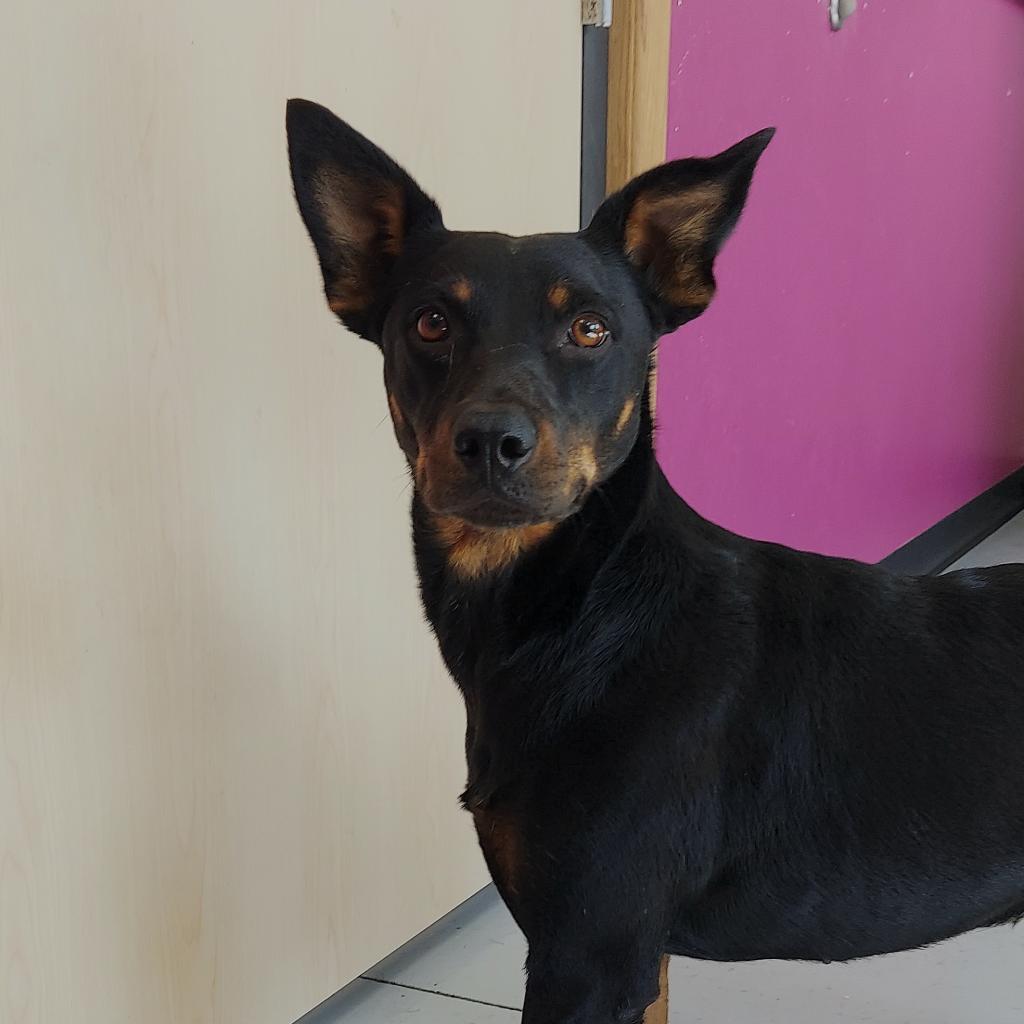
(678, 739)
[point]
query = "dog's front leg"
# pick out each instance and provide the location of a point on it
(596, 914)
(657, 1012)
(567, 985)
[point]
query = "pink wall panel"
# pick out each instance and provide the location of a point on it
(861, 373)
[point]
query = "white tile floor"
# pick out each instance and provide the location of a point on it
(467, 969)
(1005, 545)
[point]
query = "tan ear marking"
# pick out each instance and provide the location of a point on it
(338, 198)
(667, 233)
(357, 218)
(390, 208)
(678, 218)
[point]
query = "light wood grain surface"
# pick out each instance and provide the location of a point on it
(229, 755)
(637, 88)
(638, 47)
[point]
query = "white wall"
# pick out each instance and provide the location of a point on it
(229, 756)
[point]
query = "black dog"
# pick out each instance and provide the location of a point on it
(679, 740)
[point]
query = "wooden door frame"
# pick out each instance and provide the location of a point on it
(625, 98)
(637, 120)
(625, 102)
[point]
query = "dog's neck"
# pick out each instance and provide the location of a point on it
(542, 578)
(537, 645)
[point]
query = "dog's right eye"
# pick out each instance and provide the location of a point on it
(432, 325)
(588, 331)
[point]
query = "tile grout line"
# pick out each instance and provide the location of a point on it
(437, 992)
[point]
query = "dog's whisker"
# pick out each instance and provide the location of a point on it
(511, 345)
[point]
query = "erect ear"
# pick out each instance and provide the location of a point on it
(359, 207)
(670, 223)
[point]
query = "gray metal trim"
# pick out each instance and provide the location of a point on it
(942, 544)
(593, 121)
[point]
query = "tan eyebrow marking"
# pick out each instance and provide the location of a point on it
(558, 296)
(462, 290)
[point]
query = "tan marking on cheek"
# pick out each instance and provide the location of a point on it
(462, 290)
(406, 436)
(558, 297)
(582, 463)
(588, 464)
(435, 451)
(474, 552)
(550, 469)
(396, 412)
(625, 416)
(546, 448)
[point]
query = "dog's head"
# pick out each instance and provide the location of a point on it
(515, 367)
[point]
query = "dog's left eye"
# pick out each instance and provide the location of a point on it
(432, 325)
(589, 331)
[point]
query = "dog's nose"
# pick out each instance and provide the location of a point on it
(495, 438)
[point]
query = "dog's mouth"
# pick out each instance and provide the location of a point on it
(489, 509)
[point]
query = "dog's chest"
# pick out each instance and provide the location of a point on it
(500, 831)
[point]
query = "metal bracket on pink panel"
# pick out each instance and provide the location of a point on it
(839, 11)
